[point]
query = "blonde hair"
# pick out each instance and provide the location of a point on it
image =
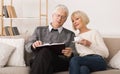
(60, 6)
(82, 15)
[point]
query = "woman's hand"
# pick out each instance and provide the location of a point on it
(67, 51)
(85, 42)
(36, 44)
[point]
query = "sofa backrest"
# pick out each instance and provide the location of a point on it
(113, 44)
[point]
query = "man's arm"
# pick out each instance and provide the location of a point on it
(72, 45)
(31, 40)
(70, 50)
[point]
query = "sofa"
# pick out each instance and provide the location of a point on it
(111, 42)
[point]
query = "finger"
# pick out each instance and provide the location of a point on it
(38, 43)
(33, 45)
(85, 42)
(81, 42)
(68, 48)
(63, 51)
(66, 51)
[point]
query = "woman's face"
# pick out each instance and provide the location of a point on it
(77, 22)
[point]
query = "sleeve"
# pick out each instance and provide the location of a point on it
(98, 46)
(72, 45)
(31, 40)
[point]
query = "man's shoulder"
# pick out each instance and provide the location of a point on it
(67, 30)
(42, 27)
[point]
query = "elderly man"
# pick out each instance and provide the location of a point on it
(45, 61)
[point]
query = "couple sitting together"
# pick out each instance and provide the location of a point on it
(83, 53)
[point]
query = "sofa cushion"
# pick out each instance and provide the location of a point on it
(110, 71)
(17, 58)
(5, 52)
(21, 70)
(115, 61)
(14, 70)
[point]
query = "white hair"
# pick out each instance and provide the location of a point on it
(60, 6)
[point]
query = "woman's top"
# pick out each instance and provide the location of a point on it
(97, 44)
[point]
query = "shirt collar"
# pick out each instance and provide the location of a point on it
(59, 29)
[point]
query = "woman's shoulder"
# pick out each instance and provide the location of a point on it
(94, 31)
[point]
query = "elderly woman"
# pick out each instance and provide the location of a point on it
(89, 45)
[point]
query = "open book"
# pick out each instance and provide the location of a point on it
(54, 47)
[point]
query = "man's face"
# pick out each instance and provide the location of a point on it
(59, 17)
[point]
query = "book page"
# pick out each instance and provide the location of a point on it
(48, 44)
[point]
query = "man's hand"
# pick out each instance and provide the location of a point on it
(36, 44)
(67, 51)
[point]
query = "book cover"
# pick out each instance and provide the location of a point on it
(5, 12)
(15, 31)
(6, 31)
(54, 47)
(10, 31)
(11, 11)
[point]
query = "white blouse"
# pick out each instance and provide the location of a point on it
(97, 47)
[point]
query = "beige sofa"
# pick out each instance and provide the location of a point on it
(111, 42)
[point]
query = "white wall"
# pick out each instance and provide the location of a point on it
(104, 14)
